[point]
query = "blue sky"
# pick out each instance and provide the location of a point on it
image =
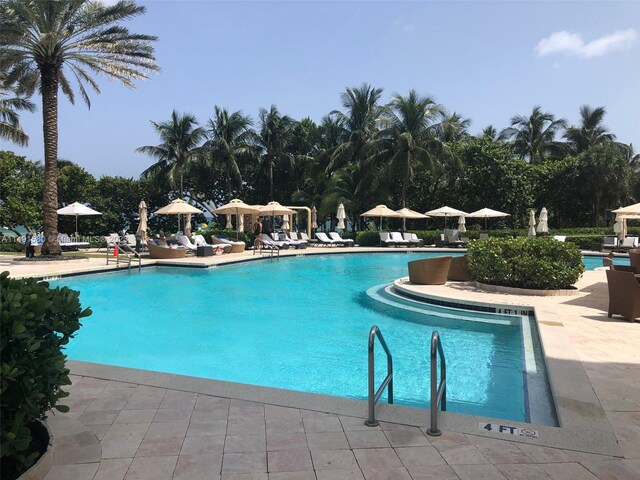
(485, 60)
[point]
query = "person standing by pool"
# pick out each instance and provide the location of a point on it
(258, 233)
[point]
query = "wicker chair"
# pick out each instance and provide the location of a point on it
(459, 270)
(624, 294)
(165, 253)
(429, 271)
(634, 256)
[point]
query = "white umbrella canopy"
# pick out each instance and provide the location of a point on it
(229, 225)
(461, 224)
(532, 224)
(620, 227)
(487, 213)
(142, 226)
(341, 215)
(411, 214)
(285, 222)
(240, 223)
(630, 211)
(543, 226)
(78, 210)
(314, 217)
(446, 212)
(177, 207)
(381, 211)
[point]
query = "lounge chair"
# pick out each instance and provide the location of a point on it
(634, 258)
(65, 242)
(326, 241)
(266, 242)
(560, 238)
(629, 243)
(453, 239)
(386, 240)
(624, 294)
(413, 239)
(161, 252)
(399, 239)
(441, 241)
(429, 271)
(185, 242)
(347, 242)
(459, 270)
(236, 247)
(110, 241)
(295, 243)
(610, 242)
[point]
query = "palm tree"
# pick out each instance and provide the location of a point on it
(489, 132)
(359, 125)
(181, 138)
(590, 132)
(10, 128)
(230, 140)
(272, 138)
(534, 136)
(42, 42)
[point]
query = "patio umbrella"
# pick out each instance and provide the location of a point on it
(411, 214)
(238, 208)
(381, 211)
(487, 213)
(340, 216)
(542, 222)
(461, 227)
(446, 212)
(240, 222)
(177, 207)
(272, 209)
(532, 224)
(285, 222)
(619, 227)
(142, 226)
(314, 217)
(187, 225)
(229, 225)
(78, 210)
(630, 211)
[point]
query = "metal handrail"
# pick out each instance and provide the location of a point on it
(127, 254)
(438, 392)
(387, 382)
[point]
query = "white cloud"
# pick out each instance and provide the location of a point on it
(573, 44)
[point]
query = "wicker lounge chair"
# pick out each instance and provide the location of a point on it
(165, 253)
(624, 294)
(634, 257)
(459, 270)
(429, 271)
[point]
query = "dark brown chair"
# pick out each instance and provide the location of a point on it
(429, 271)
(624, 294)
(623, 268)
(459, 270)
(634, 257)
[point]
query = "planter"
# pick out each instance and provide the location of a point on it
(526, 291)
(40, 469)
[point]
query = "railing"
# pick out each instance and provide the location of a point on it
(118, 251)
(388, 381)
(438, 392)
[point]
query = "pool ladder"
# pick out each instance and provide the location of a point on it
(115, 248)
(438, 391)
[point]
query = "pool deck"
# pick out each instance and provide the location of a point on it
(133, 424)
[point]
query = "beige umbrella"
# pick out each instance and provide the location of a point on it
(238, 208)
(446, 212)
(78, 210)
(631, 211)
(142, 226)
(314, 217)
(272, 209)
(543, 226)
(341, 215)
(487, 213)
(461, 222)
(177, 207)
(532, 224)
(411, 214)
(381, 211)
(229, 225)
(285, 222)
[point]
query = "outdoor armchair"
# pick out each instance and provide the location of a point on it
(624, 294)
(429, 271)
(610, 242)
(634, 257)
(459, 270)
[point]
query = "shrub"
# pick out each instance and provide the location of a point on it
(538, 263)
(35, 323)
(368, 238)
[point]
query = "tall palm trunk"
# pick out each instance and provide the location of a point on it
(271, 177)
(49, 78)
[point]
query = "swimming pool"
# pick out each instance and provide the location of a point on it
(300, 323)
(592, 262)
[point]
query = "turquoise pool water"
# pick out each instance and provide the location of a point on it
(299, 323)
(592, 262)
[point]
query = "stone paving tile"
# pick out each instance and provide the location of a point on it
(111, 404)
(209, 415)
(539, 454)
(123, 440)
(98, 417)
(287, 441)
(367, 439)
(292, 476)
(135, 416)
(207, 403)
(178, 400)
(122, 393)
(498, 451)
(210, 444)
(322, 424)
(170, 415)
(353, 423)
(289, 461)
(333, 460)
(450, 439)
(327, 441)
(433, 472)
(243, 410)
(397, 473)
(418, 457)
(81, 447)
(161, 430)
(273, 412)
(376, 458)
(113, 469)
(627, 430)
(407, 438)
(98, 430)
(245, 476)
(196, 467)
(245, 427)
(611, 470)
(285, 426)
(462, 455)
(515, 471)
(567, 471)
(85, 471)
(145, 399)
(353, 474)
(200, 428)
(478, 472)
(244, 462)
(162, 446)
(245, 443)
(151, 468)
(91, 382)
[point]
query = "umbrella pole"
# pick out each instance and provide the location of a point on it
(76, 224)
(485, 224)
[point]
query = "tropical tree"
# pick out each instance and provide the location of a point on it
(273, 135)
(590, 132)
(181, 139)
(359, 122)
(10, 128)
(44, 42)
(230, 141)
(533, 136)
(21, 190)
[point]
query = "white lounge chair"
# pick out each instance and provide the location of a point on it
(266, 242)
(399, 239)
(386, 240)
(236, 246)
(629, 243)
(65, 242)
(610, 242)
(413, 239)
(185, 242)
(560, 238)
(293, 240)
(326, 241)
(347, 242)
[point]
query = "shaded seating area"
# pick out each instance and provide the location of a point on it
(429, 271)
(165, 252)
(624, 294)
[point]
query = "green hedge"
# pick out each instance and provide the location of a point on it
(35, 323)
(538, 263)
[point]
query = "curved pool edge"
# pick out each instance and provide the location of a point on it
(569, 437)
(577, 405)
